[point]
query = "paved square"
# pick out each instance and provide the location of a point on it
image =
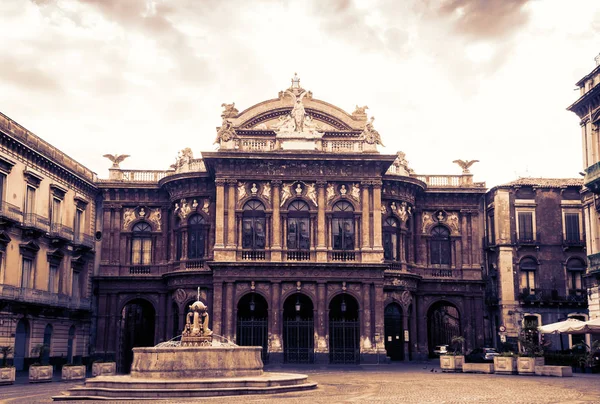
(396, 383)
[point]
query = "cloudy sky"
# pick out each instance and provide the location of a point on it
(445, 79)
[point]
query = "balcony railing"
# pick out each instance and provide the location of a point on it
(525, 239)
(441, 273)
(43, 297)
(342, 256)
(592, 178)
(141, 269)
(194, 264)
(11, 212)
(34, 221)
(60, 230)
(594, 263)
(84, 240)
(254, 255)
(298, 255)
(573, 241)
(452, 181)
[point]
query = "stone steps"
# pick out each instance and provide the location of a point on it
(127, 388)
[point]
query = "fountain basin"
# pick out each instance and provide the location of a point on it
(196, 362)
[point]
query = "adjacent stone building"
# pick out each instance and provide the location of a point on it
(587, 108)
(536, 258)
(47, 248)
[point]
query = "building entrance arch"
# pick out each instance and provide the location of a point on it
(21, 343)
(252, 323)
(443, 323)
(394, 332)
(344, 330)
(298, 329)
(137, 330)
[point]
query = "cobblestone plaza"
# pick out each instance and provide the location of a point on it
(402, 383)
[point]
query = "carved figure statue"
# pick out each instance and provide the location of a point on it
(453, 221)
(298, 113)
(128, 217)
(184, 210)
(298, 189)
(370, 135)
(266, 191)
(155, 217)
(403, 212)
(383, 210)
(254, 189)
(194, 205)
(241, 190)
(116, 158)
(311, 192)
(286, 193)
(465, 164)
(360, 110)
(225, 132)
(343, 190)
(330, 192)
(355, 191)
(229, 110)
(196, 324)
(426, 221)
(206, 205)
(142, 212)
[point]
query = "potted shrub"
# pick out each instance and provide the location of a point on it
(40, 371)
(531, 353)
(505, 363)
(453, 361)
(590, 357)
(7, 373)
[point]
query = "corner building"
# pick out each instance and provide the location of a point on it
(299, 236)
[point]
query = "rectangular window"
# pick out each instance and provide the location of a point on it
(528, 282)
(76, 285)
(26, 275)
(491, 230)
(53, 279)
(77, 224)
(572, 227)
(2, 184)
(55, 213)
(526, 226)
(575, 282)
(29, 207)
(141, 251)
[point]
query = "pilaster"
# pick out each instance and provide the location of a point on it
(321, 227)
(231, 230)
(276, 245)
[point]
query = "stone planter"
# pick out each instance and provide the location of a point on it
(73, 372)
(39, 374)
(526, 365)
(451, 363)
(7, 375)
(505, 365)
(104, 368)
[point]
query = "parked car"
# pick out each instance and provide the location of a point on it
(481, 355)
(443, 349)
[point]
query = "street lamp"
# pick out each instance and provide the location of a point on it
(252, 304)
(298, 307)
(343, 305)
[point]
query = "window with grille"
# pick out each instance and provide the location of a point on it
(342, 224)
(572, 227)
(298, 226)
(528, 268)
(525, 226)
(440, 247)
(141, 244)
(253, 225)
(575, 271)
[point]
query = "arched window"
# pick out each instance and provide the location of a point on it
(253, 225)
(527, 268)
(391, 236)
(440, 246)
(197, 232)
(342, 226)
(141, 244)
(575, 271)
(298, 226)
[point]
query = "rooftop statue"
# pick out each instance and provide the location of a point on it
(116, 158)
(229, 110)
(465, 164)
(371, 135)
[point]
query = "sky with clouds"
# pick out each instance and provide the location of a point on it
(445, 79)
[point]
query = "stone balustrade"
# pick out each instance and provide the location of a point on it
(8, 292)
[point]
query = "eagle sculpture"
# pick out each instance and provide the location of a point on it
(465, 165)
(116, 158)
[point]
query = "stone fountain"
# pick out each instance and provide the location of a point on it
(197, 366)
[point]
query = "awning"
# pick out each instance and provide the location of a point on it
(569, 326)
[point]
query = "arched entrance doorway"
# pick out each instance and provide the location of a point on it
(394, 332)
(21, 344)
(298, 329)
(252, 322)
(443, 323)
(344, 330)
(137, 330)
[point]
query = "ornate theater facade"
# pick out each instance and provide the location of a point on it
(299, 236)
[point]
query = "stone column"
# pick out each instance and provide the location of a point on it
(276, 246)
(220, 221)
(217, 309)
(229, 311)
(377, 245)
(366, 239)
(321, 347)
(321, 226)
(231, 239)
(275, 345)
